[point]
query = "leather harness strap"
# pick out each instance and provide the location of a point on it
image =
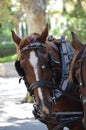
(66, 55)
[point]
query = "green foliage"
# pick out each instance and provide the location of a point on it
(70, 24)
(7, 50)
(8, 58)
(8, 19)
(72, 18)
(5, 32)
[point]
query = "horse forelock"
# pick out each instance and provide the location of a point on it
(25, 41)
(29, 39)
(34, 37)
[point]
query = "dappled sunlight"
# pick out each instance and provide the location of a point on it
(69, 6)
(83, 2)
(55, 6)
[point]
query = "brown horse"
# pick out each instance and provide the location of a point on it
(78, 71)
(39, 63)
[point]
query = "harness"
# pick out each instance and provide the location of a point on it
(66, 57)
(66, 118)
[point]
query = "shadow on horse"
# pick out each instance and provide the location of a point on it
(41, 66)
(77, 74)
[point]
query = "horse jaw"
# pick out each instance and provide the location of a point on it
(15, 37)
(43, 35)
(76, 44)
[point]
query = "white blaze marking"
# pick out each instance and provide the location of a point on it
(34, 60)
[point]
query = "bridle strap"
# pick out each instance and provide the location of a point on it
(38, 84)
(41, 60)
(35, 46)
(32, 46)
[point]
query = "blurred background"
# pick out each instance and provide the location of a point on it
(27, 16)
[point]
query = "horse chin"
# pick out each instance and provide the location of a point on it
(43, 115)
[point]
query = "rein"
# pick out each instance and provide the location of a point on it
(66, 118)
(62, 119)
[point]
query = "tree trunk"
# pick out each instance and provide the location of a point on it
(35, 24)
(35, 14)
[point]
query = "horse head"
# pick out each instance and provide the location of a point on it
(34, 64)
(78, 69)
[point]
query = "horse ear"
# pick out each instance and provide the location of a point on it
(44, 34)
(15, 37)
(76, 44)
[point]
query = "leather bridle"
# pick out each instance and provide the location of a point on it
(41, 83)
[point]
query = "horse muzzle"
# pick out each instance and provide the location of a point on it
(41, 113)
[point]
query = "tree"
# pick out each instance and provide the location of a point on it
(71, 18)
(9, 19)
(64, 13)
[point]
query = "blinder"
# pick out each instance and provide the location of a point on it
(19, 69)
